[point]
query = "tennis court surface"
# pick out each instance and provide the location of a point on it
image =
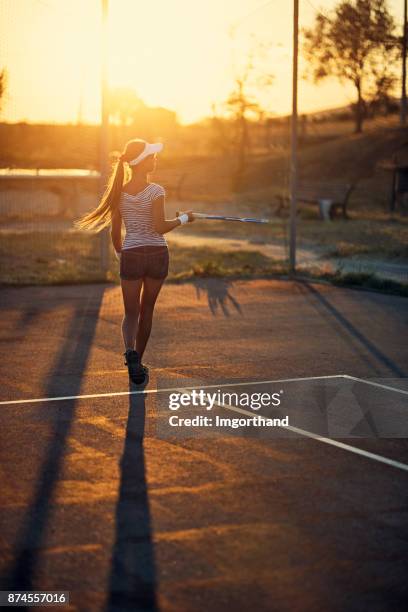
(101, 498)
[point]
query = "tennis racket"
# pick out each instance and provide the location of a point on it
(227, 218)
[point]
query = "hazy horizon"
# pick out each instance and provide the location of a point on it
(183, 61)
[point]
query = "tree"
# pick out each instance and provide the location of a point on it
(380, 99)
(355, 43)
(124, 105)
(220, 140)
(127, 109)
(240, 104)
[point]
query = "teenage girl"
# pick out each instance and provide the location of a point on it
(144, 255)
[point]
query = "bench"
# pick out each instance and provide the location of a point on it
(329, 197)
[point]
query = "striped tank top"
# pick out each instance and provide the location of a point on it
(136, 211)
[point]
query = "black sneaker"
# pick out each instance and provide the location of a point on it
(137, 373)
(146, 371)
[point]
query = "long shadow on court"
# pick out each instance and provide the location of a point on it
(133, 575)
(74, 350)
(218, 295)
(375, 352)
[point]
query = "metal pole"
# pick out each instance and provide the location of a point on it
(104, 130)
(403, 117)
(293, 153)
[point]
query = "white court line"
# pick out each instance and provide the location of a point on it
(147, 391)
(374, 384)
(309, 434)
(302, 432)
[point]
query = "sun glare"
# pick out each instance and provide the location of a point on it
(176, 54)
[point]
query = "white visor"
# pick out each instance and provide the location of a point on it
(148, 150)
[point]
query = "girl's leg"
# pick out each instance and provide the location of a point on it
(151, 290)
(131, 300)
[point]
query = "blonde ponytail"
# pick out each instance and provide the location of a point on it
(101, 217)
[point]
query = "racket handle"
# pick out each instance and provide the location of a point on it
(195, 215)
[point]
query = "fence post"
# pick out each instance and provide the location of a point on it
(293, 156)
(104, 132)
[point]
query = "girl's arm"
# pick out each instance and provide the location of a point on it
(116, 231)
(160, 223)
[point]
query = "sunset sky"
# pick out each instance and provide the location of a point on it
(179, 54)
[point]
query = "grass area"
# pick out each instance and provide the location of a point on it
(191, 263)
(359, 280)
(48, 258)
(342, 157)
(59, 258)
(199, 262)
(188, 264)
(379, 237)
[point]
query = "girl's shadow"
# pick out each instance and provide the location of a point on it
(133, 575)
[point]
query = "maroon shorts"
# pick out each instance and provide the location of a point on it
(138, 262)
